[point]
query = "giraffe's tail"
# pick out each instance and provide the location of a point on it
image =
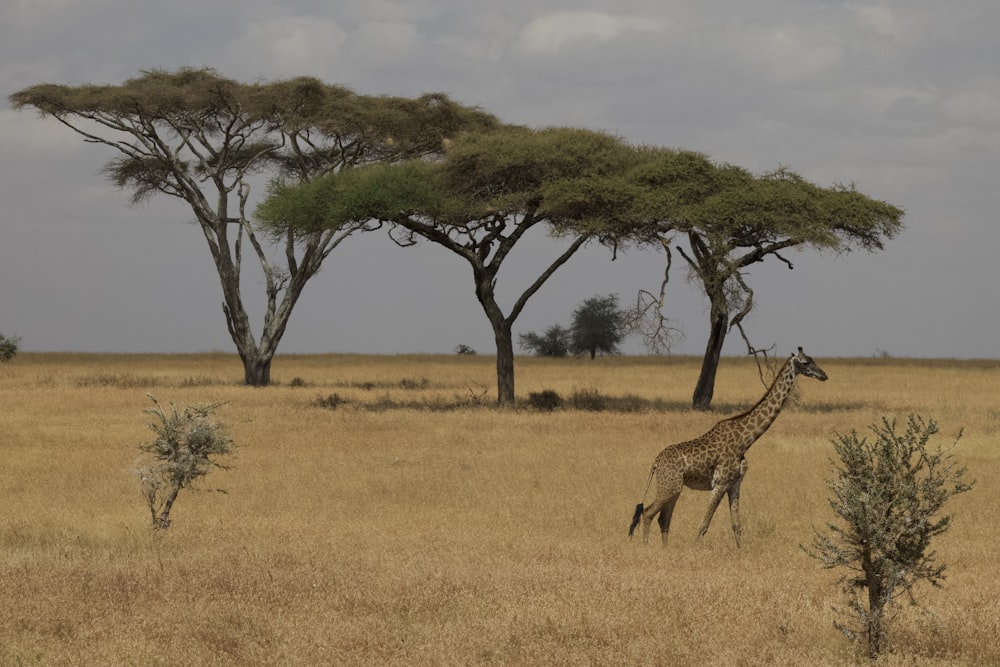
(635, 519)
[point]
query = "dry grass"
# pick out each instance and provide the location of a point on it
(470, 535)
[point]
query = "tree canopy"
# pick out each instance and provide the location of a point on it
(598, 326)
(478, 201)
(555, 341)
(201, 137)
(490, 187)
(722, 219)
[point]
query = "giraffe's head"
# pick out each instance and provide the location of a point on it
(804, 365)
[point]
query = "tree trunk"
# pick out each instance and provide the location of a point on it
(162, 521)
(874, 624)
(257, 369)
(257, 358)
(704, 390)
(505, 363)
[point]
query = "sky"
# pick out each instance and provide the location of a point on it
(900, 98)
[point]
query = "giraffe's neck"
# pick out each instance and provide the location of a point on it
(759, 418)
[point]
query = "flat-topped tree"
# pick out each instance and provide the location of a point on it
(481, 199)
(203, 138)
(722, 219)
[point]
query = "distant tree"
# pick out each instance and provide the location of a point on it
(887, 495)
(203, 138)
(187, 447)
(8, 347)
(554, 342)
(722, 219)
(479, 201)
(464, 350)
(598, 326)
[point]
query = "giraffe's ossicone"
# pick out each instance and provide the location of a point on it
(716, 461)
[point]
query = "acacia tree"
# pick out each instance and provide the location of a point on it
(721, 219)
(481, 199)
(555, 341)
(598, 326)
(203, 138)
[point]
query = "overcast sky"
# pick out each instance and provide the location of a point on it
(901, 98)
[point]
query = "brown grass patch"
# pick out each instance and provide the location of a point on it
(402, 534)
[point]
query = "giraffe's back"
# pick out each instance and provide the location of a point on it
(697, 462)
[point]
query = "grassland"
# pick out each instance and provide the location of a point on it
(382, 511)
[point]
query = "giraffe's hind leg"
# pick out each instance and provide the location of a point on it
(665, 510)
(665, 514)
(647, 517)
(669, 483)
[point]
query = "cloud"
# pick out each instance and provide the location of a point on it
(548, 34)
(784, 53)
(24, 133)
(384, 42)
(286, 46)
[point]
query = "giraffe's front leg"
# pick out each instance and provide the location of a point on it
(734, 503)
(734, 511)
(718, 490)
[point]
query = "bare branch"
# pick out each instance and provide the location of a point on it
(769, 366)
(647, 319)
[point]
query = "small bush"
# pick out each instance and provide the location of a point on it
(545, 400)
(330, 402)
(8, 347)
(887, 495)
(185, 449)
(474, 398)
(298, 382)
(588, 399)
(414, 383)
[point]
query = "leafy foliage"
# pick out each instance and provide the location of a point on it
(553, 342)
(8, 347)
(478, 201)
(185, 449)
(721, 219)
(887, 493)
(598, 326)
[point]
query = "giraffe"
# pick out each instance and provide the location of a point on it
(716, 461)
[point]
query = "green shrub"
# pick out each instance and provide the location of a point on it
(887, 494)
(8, 347)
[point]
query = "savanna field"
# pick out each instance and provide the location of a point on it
(382, 511)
